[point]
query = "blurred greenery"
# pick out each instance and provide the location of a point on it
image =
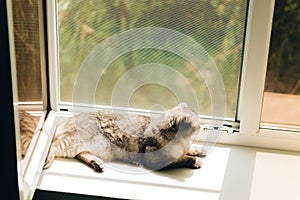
(283, 73)
(217, 25)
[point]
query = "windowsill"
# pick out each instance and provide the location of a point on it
(228, 172)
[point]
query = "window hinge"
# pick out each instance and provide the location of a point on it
(225, 128)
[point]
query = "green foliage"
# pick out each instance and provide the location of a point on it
(217, 25)
(284, 60)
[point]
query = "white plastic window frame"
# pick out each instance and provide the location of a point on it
(30, 167)
(259, 27)
(258, 32)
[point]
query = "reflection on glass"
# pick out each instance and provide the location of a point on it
(218, 26)
(28, 125)
(282, 88)
(28, 64)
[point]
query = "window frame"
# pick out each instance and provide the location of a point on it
(258, 35)
(30, 167)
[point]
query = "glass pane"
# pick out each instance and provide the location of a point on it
(27, 45)
(200, 42)
(282, 88)
(28, 67)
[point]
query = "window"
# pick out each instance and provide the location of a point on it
(163, 61)
(27, 49)
(30, 69)
(107, 54)
(282, 88)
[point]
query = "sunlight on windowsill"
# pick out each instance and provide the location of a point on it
(121, 180)
(228, 173)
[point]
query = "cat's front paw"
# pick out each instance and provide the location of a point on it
(91, 160)
(196, 152)
(197, 164)
(98, 166)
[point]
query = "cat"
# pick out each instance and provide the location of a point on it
(151, 142)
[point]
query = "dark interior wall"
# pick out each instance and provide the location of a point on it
(8, 170)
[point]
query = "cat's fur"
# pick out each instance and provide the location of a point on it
(154, 143)
(28, 125)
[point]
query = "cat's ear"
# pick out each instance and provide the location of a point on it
(183, 105)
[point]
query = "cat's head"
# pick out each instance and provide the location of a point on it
(176, 129)
(170, 136)
(182, 121)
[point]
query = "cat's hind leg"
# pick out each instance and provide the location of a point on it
(92, 160)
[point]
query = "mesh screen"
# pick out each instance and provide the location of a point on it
(27, 49)
(216, 26)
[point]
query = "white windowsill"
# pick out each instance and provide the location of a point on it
(228, 173)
